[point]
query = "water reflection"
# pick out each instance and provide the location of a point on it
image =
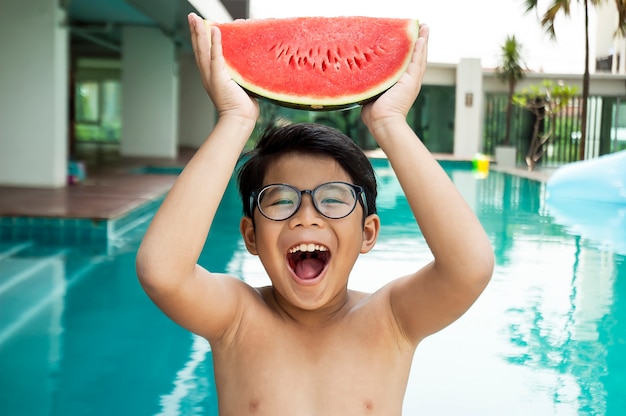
(556, 326)
(560, 310)
(602, 223)
(193, 391)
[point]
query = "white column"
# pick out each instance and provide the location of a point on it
(468, 111)
(149, 94)
(196, 113)
(33, 94)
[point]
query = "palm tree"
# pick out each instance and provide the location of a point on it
(510, 71)
(547, 22)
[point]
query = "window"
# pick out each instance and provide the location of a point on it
(98, 110)
(87, 102)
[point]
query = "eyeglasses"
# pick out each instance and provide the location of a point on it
(333, 200)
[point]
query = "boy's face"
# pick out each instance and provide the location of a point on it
(309, 257)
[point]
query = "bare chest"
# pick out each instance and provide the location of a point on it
(345, 370)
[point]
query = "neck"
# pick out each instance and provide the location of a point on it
(327, 315)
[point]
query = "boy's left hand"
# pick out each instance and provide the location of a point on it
(396, 102)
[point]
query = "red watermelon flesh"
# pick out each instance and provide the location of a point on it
(319, 63)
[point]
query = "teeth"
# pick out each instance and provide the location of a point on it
(308, 247)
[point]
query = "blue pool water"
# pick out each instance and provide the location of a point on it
(548, 337)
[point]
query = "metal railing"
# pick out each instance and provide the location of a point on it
(604, 125)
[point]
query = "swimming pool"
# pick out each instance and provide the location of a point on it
(548, 337)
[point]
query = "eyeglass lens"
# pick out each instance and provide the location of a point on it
(333, 200)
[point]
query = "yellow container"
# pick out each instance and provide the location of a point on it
(480, 162)
(480, 165)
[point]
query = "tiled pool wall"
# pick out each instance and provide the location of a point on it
(74, 230)
(445, 163)
(456, 164)
(52, 229)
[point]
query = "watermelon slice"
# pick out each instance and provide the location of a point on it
(318, 63)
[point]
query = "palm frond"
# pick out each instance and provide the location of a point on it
(530, 5)
(548, 19)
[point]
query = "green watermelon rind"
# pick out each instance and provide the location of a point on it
(301, 102)
(315, 107)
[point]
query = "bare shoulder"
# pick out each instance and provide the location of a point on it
(207, 304)
(431, 299)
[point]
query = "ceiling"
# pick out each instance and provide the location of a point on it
(95, 25)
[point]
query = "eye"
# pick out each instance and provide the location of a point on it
(278, 196)
(277, 199)
(333, 194)
(333, 200)
(283, 201)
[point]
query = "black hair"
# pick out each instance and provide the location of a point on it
(309, 139)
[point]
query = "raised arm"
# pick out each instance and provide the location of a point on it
(439, 293)
(166, 262)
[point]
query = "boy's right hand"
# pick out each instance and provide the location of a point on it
(229, 98)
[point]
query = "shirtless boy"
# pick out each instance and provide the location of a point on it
(306, 345)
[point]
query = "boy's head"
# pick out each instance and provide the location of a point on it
(306, 139)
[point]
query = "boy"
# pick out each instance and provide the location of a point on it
(307, 345)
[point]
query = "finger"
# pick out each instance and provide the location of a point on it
(192, 32)
(216, 44)
(414, 74)
(420, 52)
(200, 40)
(423, 46)
(218, 64)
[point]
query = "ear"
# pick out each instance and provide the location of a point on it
(371, 228)
(247, 232)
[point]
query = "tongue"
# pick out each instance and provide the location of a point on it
(309, 268)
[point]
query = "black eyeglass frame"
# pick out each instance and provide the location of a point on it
(358, 190)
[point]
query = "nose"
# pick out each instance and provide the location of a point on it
(306, 215)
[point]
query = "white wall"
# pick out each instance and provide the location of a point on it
(610, 85)
(33, 94)
(196, 112)
(468, 114)
(149, 94)
(440, 74)
(605, 24)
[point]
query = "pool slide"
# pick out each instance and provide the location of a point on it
(589, 198)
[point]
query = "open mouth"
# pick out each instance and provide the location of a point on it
(308, 260)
